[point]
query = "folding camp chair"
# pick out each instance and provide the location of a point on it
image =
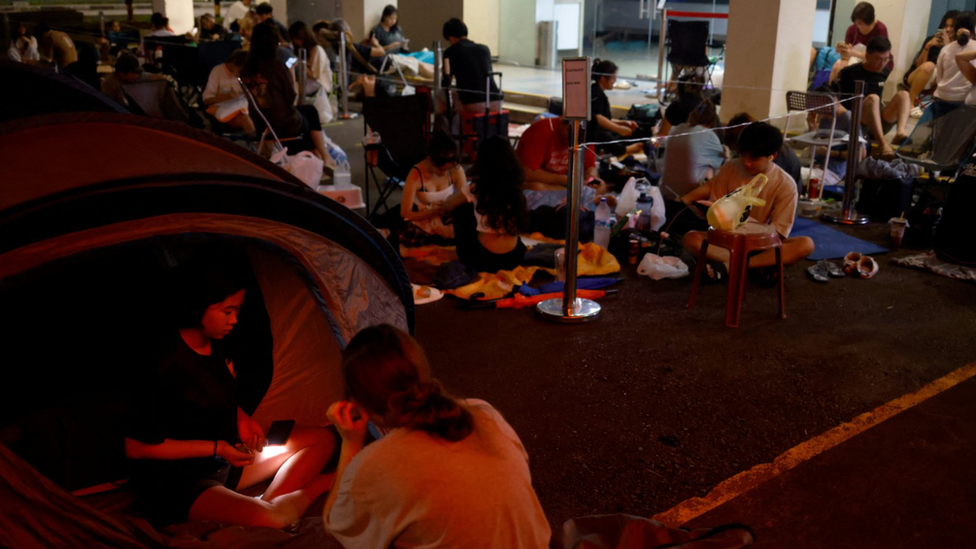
(941, 143)
(688, 45)
(147, 98)
(403, 124)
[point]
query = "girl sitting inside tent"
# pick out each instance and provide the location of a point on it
(449, 473)
(431, 192)
(192, 445)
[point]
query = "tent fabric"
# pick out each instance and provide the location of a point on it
(303, 384)
(357, 297)
(126, 146)
(32, 90)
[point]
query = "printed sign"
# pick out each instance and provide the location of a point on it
(576, 88)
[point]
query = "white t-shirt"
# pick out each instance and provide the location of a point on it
(29, 54)
(951, 84)
(410, 489)
(221, 81)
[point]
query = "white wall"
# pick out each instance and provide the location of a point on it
(907, 22)
(179, 12)
(481, 17)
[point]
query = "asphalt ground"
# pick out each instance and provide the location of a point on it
(653, 404)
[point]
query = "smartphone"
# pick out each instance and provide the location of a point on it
(280, 431)
(291, 62)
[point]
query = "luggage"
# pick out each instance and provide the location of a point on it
(955, 234)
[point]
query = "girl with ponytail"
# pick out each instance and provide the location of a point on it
(446, 467)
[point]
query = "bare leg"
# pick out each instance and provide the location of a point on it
(871, 116)
(897, 111)
(225, 505)
(293, 465)
(693, 243)
(321, 149)
(635, 148)
(244, 123)
(794, 249)
(919, 79)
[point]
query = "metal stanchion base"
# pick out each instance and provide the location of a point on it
(854, 219)
(552, 310)
(349, 116)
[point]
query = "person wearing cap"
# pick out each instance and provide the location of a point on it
(127, 71)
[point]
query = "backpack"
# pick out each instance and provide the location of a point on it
(956, 231)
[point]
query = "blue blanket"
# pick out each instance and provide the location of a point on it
(831, 243)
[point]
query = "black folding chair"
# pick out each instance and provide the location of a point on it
(688, 46)
(403, 124)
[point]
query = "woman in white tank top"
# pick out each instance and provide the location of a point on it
(430, 186)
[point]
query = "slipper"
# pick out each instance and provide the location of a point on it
(850, 262)
(833, 269)
(867, 267)
(718, 272)
(899, 139)
(818, 272)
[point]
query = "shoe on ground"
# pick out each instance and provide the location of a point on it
(916, 112)
(867, 267)
(850, 262)
(818, 272)
(833, 269)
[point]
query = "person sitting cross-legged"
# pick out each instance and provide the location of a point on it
(874, 112)
(758, 146)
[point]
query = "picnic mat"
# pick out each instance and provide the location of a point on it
(831, 243)
(929, 262)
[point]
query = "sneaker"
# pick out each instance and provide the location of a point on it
(818, 272)
(916, 112)
(833, 269)
(850, 262)
(867, 267)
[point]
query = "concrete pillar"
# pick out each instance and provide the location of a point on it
(767, 54)
(363, 15)
(423, 20)
(179, 12)
(907, 22)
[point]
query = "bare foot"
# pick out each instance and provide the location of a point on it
(899, 139)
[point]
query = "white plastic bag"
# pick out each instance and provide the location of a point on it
(657, 267)
(657, 208)
(732, 210)
(304, 165)
(627, 199)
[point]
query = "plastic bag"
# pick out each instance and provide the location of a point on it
(304, 165)
(732, 210)
(657, 267)
(627, 199)
(657, 208)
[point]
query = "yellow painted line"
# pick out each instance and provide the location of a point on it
(741, 483)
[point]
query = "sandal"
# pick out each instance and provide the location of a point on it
(818, 272)
(850, 262)
(718, 272)
(867, 267)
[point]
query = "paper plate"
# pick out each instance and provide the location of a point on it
(435, 294)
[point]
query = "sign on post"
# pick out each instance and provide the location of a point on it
(576, 88)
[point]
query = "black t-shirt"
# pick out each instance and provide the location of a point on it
(933, 56)
(470, 64)
(189, 397)
(873, 81)
(599, 104)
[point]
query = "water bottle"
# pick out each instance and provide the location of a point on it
(644, 204)
(601, 229)
(158, 58)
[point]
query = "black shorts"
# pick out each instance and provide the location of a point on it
(168, 494)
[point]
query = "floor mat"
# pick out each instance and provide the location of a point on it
(831, 243)
(930, 262)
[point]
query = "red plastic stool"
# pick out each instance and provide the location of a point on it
(740, 243)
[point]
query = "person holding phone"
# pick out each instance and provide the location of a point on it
(920, 76)
(449, 472)
(192, 445)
